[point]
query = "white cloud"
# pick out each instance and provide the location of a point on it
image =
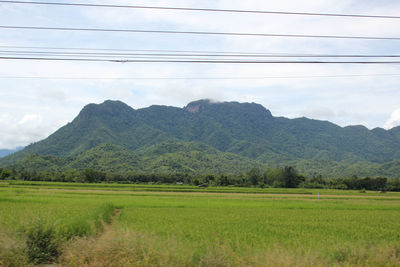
(394, 119)
(30, 119)
(318, 112)
(19, 130)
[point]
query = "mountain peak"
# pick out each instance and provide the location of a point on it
(211, 106)
(196, 106)
(109, 108)
(110, 104)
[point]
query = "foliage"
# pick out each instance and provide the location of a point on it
(92, 176)
(5, 173)
(290, 178)
(41, 242)
(166, 157)
(286, 177)
(207, 137)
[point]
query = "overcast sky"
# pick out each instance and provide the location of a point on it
(31, 109)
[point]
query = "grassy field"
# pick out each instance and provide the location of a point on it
(157, 225)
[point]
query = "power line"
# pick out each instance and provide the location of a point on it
(205, 9)
(122, 57)
(132, 50)
(140, 50)
(184, 52)
(199, 32)
(198, 61)
(185, 55)
(201, 78)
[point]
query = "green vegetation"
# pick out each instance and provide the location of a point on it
(165, 186)
(205, 137)
(286, 177)
(41, 243)
(122, 227)
(191, 158)
(5, 152)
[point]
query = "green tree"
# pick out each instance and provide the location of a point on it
(222, 180)
(254, 176)
(92, 176)
(5, 173)
(290, 177)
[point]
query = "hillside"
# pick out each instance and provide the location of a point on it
(209, 137)
(6, 152)
(165, 157)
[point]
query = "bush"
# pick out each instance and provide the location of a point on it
(311, 185)
(41, 242)
(5, 174)
(277, 184)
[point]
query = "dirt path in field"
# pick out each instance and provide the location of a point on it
(85, 243)
(109, 226)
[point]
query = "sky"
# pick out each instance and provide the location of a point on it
(31, 109)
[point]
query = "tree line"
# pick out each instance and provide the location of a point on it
(285, 177)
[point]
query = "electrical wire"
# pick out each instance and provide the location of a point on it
(185, 52)
(200, 78)
(199, 33)
(254, 55)
(204, 9)
(197, 61)
(131, 50)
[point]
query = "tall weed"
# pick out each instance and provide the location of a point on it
(42, 244)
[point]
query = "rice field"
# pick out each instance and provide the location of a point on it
(156, 225)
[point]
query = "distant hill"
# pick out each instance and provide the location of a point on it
(5, 152)
(210, 137)
(165, 157)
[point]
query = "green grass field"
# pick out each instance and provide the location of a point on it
(157, 225)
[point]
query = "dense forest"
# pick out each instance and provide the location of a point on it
(228, 138)
(286, 177)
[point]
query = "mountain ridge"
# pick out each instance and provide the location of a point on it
(247, 130)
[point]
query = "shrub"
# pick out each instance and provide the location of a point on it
(277, 184)
(311, 185)
(41, 243)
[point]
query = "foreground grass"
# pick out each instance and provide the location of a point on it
(127, 248)
(277, 228)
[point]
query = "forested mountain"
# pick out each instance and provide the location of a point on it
(209, 137)
(5, 152)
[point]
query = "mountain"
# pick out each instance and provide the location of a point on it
(5, 152)
(205, 136)
(164, 157)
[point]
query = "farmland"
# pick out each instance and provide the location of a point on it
(142, 225)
